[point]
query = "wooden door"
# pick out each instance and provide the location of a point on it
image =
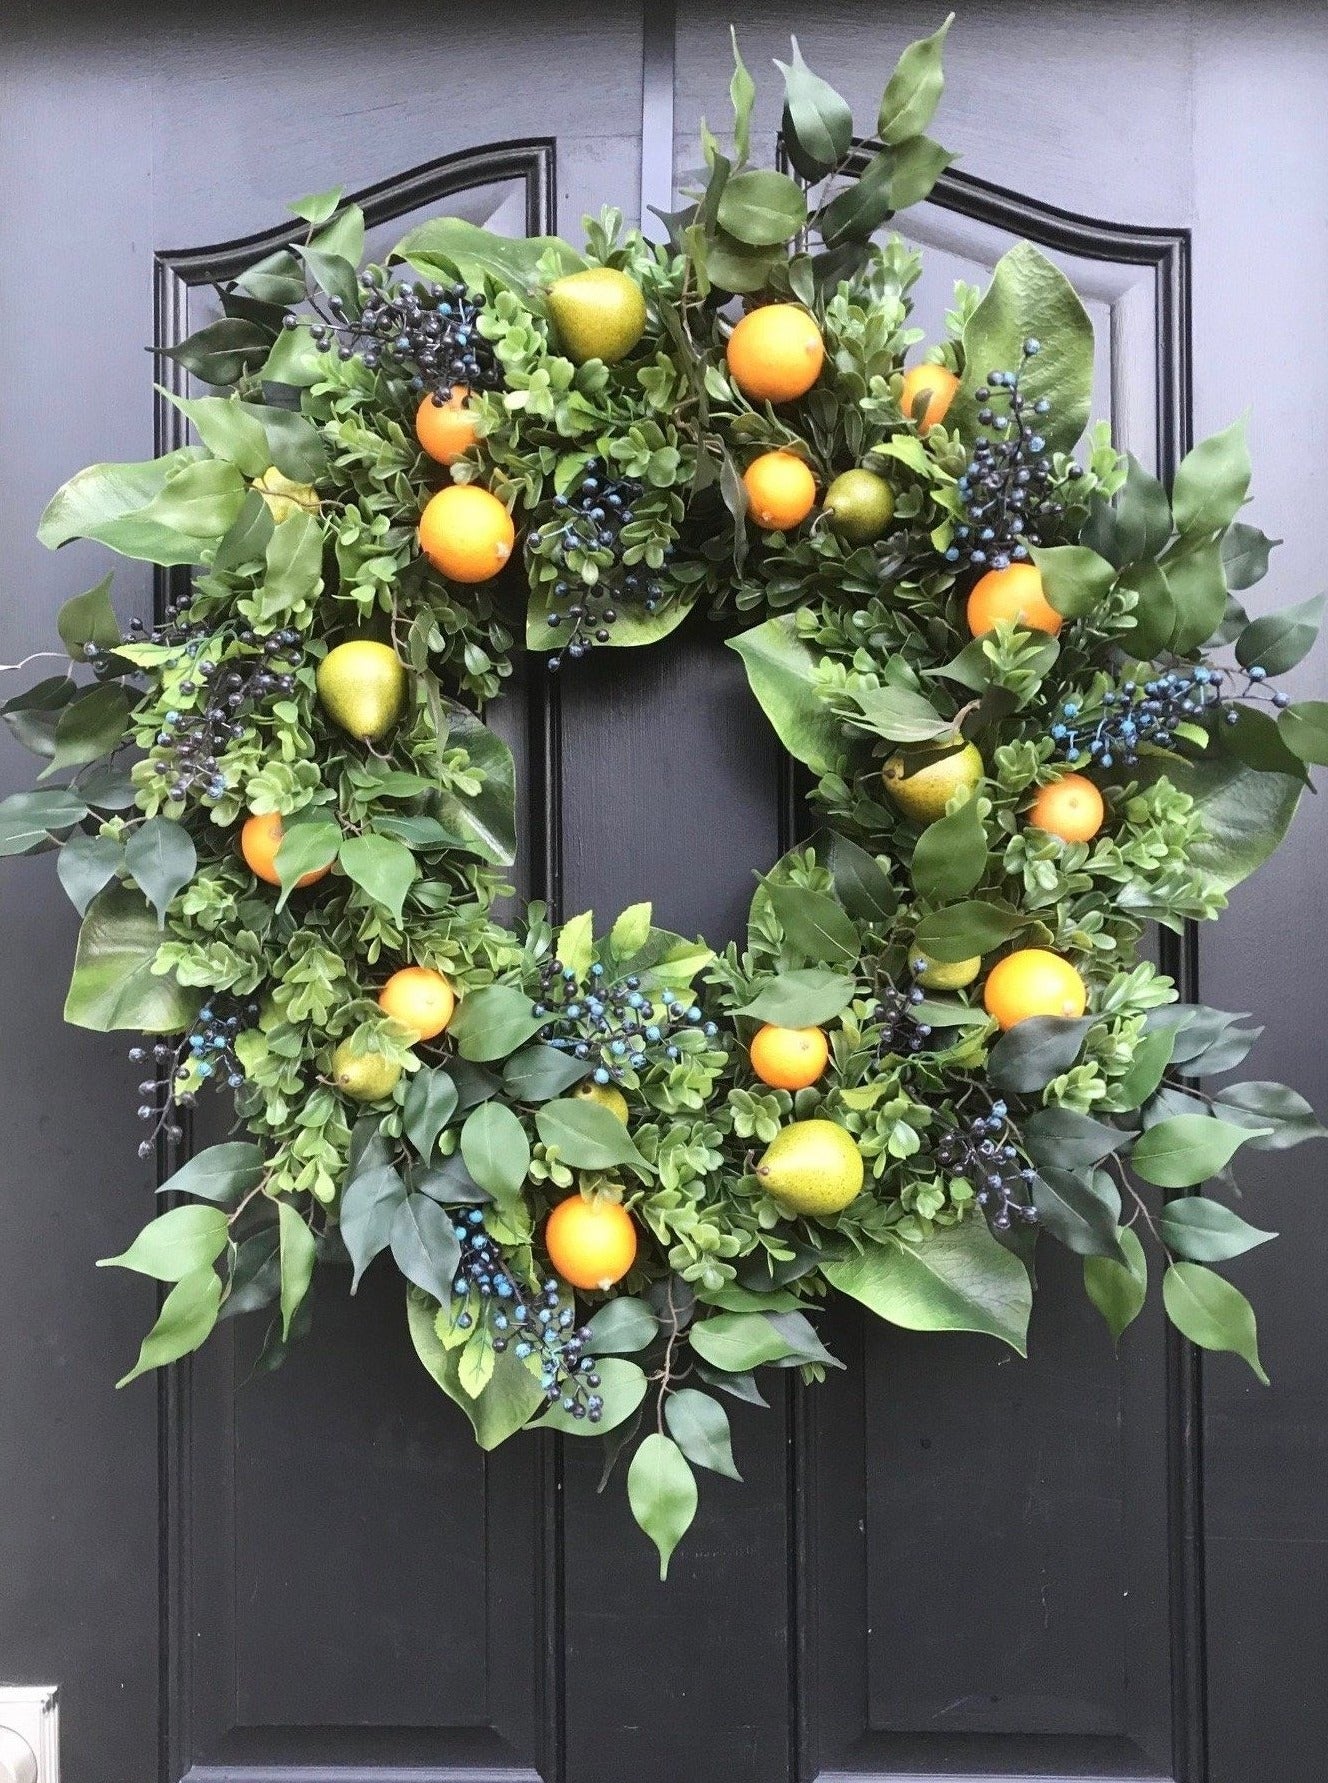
(944, 1563)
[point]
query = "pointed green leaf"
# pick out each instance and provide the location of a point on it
(161, 859)
(781, 670)
(383, 869)
(622, 1387)
(1211, 1313)
(588, 1137)
(1187, 1149)
(914, 89)
(511, 1398)
(700, 1427)
(1205, 1231)
(662, 1493)
(496, 1150)
(424, 1245)
(187, 1316)
(818, 123)
(1212, 481)
(222, 1173)
(803, 999)
(298, 1251)
(89, 619)
(1118, 1290)
(175, 1244)
(957, 1279)
(950, 855)
(113, 984)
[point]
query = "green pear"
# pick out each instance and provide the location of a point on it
(362, 687)
(599, 314)
(859, 506)
(364, 1076)
(812, 1167)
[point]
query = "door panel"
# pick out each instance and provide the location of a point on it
(943, 1562)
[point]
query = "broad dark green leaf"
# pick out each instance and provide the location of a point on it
(762, 208)
(817, 928)
(588, 1137)
(1212, 481)
(30, 819)
(818, 122)
(957, 1279)
(1211, 1313)
(1081, 1209)
(369, 1206)
(1278, 641)
(1254, 737)
(493, 1022)
(804, 999)
(113, 984)
(223, 1173)
(222, 352)
(962, 930)
(781, 670)
(31, 716)
(538, 1073)
(384, 869)
(1142, 516)
(431, 1101)
(1245, 813)
(298, 1250)
(484, 824)
(87, 863)
(1027, 1056)
(1193, 569)
(1074, 578)
(424, 1245)
(950, 856)
(496, 1150)
(187, 1316)
(700, 1427)
(1152, 1055)
(662, 1493)
(1304, 729)
(1284, 1117)
(1245, 553)
(1064, 1139)
(861, 882)
(161, 858)
(1187, 1149)
(1118, 1290)
(621, 1327)
(854, 214)
(90, 726)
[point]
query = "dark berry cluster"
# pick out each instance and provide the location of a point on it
(585, 531)
(195, 736)
(618, 1025)
(985, 1156)
(902, 1034)
(206, 1053)
(429, 333)
(1006, 488)
(1141, 712)
(536, 1326)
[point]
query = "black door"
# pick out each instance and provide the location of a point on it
(945, 1563)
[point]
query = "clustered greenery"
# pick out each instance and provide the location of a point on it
(298, 510)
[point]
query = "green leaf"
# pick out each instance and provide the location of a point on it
(511, 1398)
(175, 1244)
(383, 869)
(370, 1203)
(29, 819)
(1028, 296)
(424, 1245)
(861, 882)
(1027, 1056)
(962, 930)
(161, 858)
(739, 1341)
(538, 1073)
(587, 1137)
(700, 1427)
(817, 928)
(1142, 516)
(107, 502)
(1257, 739)
(1064, 1139)
(89, 619)
(1187, 1149)
(1245, 813)
(950, 855)
(621, 1327)
(957, 1279)
(630, 932)
(1074, 578)
(1304, 729)
(483, 823)
(782, 673)
(317, 207)
(223, 1173)
(113, 984)
(856, 212)
(493, 1022)
(1082, 1211)
(818, 123)
(1206, 1232)
(85, 864)
(1193, 568)
(198, 501)
(742, 96)
(575, 942)
(900, 715)
(223, 351)
(914, 89)
(1281, 1116)
(1245, 554)
(448, 247)
(230, 429)
(298, 1251)
(1152, 1055)
(305, 848)
(1212, 482)
(431, 1101)
(1278, 641)
(31, 716)
(662, 1493)
(622, 1387)
(1211, 1313)
(762, 209)
(1118, 1290)
(806, 999)
(496, 1150)
(187, 1316)
(918, 164)
(90, 727)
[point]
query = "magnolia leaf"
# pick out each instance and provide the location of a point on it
(781, 670)
(661, 1490)
(108, 502)
(113, 984)
(957, 1279)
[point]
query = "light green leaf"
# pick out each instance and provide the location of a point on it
(496, 1150)
(1212, 482)
(1211, 1313)
(662, 1493)
(1118, 1290)
(317, 207)
(230, 429)
(186, 1318)
(817, 928)
(762, 208)
(739, 1341)
(448, 247)
(89, 619)
(805, 999)
(222, 1173)
(483, 823)
(575, 943)
(781, 670)
(509, 1401)
(175, 1244)
(304, 848)
(622, 1387)
(383, 869)
(28, 819)
(1205, 1231)
(1074, 578)
(621, 1327)
(161, 859)
(914, 89)
(700, 1427)
(962, 930)
(588, 1137)
(109, 502)
(1187, 1149)
(298, 1251)
(950, 856)
(199, 501)
(630, 932)
(493, 1022)
(742, 96)
(957, 1279)
(113, 984)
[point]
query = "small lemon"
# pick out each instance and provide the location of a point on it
(942, 975)
(364, 1076)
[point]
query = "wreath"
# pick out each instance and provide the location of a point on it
(619, 1170)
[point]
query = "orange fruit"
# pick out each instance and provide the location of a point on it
(789, 1058)
(466, 533)
(781, 491)
(937, 383)
(1070, 808)
(259, 841)
(1014, 593)
(420, 999)
(591, 1244)
(775, 354)
(446, 429)
(1032, 981)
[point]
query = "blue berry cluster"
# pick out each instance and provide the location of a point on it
(1005, 488)
(536, 1326)
(619, 1025)
(585, 531)
(206, 1052)
(429, 333)
(984, 1154)
(195, 736)
(902, 1034)
(1141, 712)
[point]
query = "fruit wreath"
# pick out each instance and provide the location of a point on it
(621, 1171)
